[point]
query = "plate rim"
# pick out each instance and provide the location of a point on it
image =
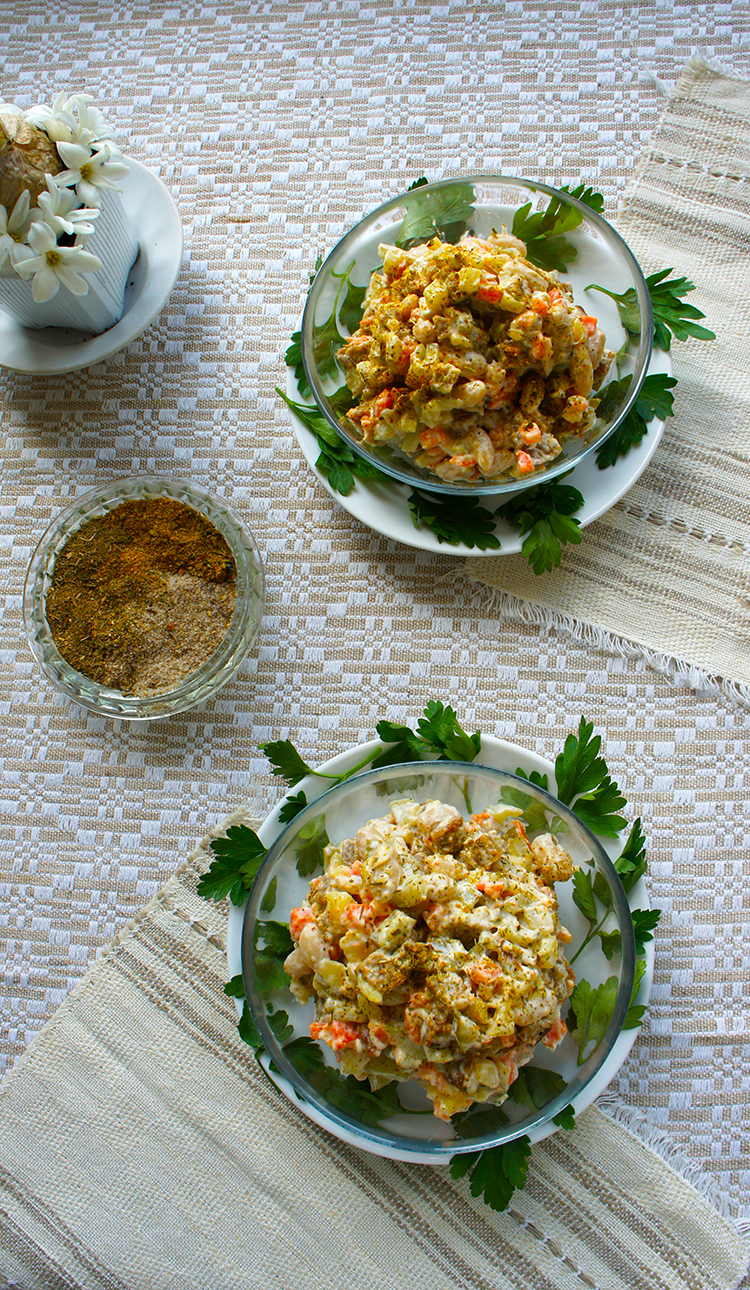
(67, 356)
(491, 749)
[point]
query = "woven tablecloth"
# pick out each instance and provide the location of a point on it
(275, 127)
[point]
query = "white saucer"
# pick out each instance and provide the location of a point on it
(505, 756)
(384, 507)
(158, 231)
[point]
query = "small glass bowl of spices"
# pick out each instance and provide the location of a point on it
(143, 597)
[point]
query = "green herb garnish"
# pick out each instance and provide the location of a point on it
(443, 213)
(273, 943)
(438, 737)
(584, 782)
(455, 521)
(543, 231)
(545, 514)
(238, 858)
(655, 399)
(672, 317)
(495, 1173)
(591, 1011)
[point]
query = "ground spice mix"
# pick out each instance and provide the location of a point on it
(141, 597)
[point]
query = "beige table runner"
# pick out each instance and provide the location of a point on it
(142, 1149)
(669, 567)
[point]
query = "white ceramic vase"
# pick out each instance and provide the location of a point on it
(114, 243)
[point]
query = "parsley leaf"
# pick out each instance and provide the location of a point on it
(533, 778)
(293, 358)
(455, 521)
(292, 807)
(249, 1031)
(672, 317)
(272, 944)
(591, 1013)
(478, 1120)
(654, 400)
(584, 784)
(269, 896)
(544, 513)
(565, 1119)
(439, 737)
(534, 816)
(286, 761)
(231, 873)
(583, 895)
(337, 461)
(634, 1015)
(353, 1097)
(631, 862)
(443, 211)
(312, 840)
(235, 988)
(534, 1087)
(495, 1173)
(542, 232)
(644, 922)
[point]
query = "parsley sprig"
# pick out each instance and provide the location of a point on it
(585, 785)
(672, 317)
(460, 520)
(443, 212)
(237, 858)
(543, 231)
(655, 399)
(337, 461)
(545, 514)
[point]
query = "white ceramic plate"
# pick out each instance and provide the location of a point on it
(384, 507)
(504, 756)
(158, 231)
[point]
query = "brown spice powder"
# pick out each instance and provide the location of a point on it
(142, 597)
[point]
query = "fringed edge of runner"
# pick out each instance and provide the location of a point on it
(676, 670)
(667, 1150)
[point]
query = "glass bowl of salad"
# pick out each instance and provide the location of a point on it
(460, 338)
(420, 978)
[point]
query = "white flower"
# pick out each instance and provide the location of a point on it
(51, 264)
(71, 120)
(62, 211)
(91, 120)
(58, 121)
(89, 171)
(14, 231)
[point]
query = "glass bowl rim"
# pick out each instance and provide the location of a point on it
(217, 669)
(274, 1049)
(560, 465)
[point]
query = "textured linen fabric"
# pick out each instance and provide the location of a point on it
(275, 127)
(162, 1157)
(669, 565)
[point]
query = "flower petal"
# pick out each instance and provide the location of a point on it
(42, 237)
(74, 154)
(83, 261)
(89, 193)
(45, 285)
(66, 177)
(73, 281)
(20, 211)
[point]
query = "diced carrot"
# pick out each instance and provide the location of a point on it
(520, 830)
(525, 464)
(431, 438)
(555, 1034)
(555, 294)
(337, 1034)
(298, 919)
(589, 323)
(489, 290)
(541, 347)
(532, 435)
(384, 400)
